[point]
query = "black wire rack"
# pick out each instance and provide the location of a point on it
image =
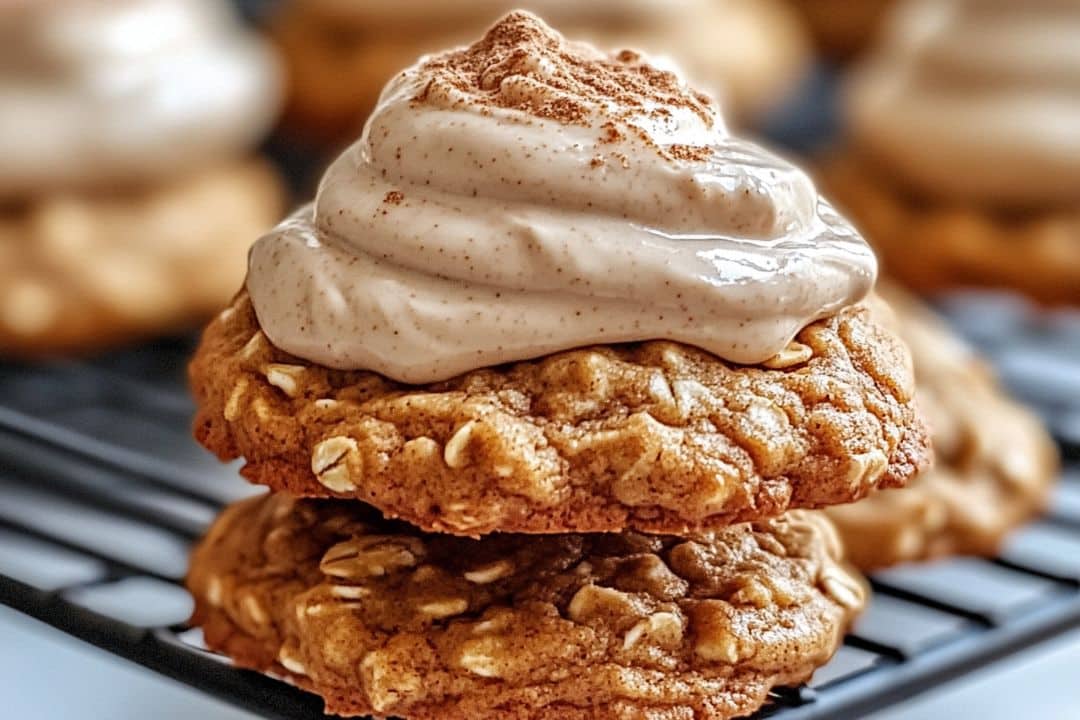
(102, 492)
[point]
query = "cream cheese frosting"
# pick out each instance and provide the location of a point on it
(976, 100)
(527, 195)
(96, 92)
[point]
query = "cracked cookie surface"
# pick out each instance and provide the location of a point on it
(995, 464)
(653, 436)
(379, 617)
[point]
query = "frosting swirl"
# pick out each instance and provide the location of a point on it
(527, 195)
(125, 91)
(976, 100)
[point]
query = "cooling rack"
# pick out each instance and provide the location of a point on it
(102, 493)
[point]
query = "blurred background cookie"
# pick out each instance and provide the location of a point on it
(994, 466)
(128, 195)
(842, 28)
(963, 164)
(341, 53)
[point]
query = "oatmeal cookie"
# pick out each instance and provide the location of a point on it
(378, 617)
(80, 271)
(653, 436)
(939, 245)
(994, 462)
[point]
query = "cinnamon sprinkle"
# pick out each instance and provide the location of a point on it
(522, 64)
(687, 152)
(611, 133)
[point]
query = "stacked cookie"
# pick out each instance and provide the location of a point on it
(496, 492)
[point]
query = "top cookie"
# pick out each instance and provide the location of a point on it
(654, 436)
(547, 291)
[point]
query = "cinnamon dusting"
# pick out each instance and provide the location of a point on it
(611, 133)
(522, 64)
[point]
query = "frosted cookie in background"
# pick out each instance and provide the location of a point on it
(962, 164)
(129, 192)
(340, 53)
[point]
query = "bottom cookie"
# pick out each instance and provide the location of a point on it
(380, 618)
(995, 463)
(83, 271)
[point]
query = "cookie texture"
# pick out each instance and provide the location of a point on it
(380, 618)
(652, 436)
(934, 246)
(994, 467)
(81, 271)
